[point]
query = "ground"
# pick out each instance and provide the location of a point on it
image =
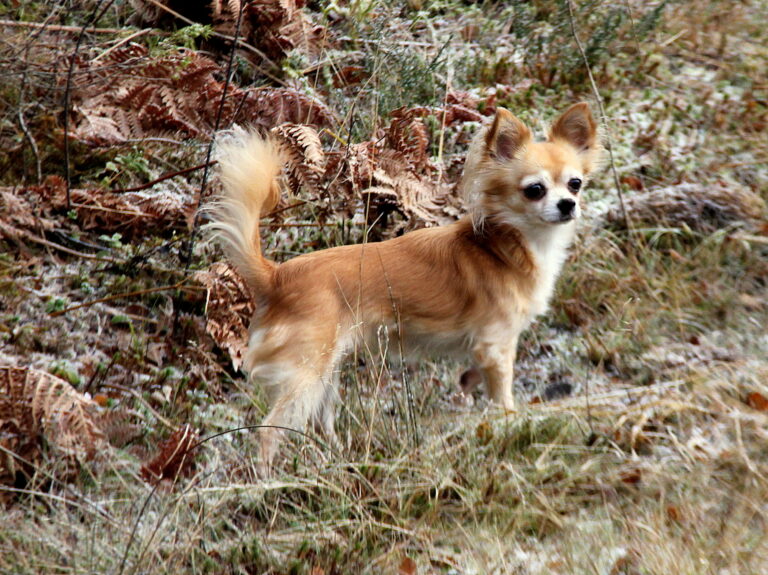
(126, 435)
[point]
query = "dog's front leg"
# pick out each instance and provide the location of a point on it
(497, 362)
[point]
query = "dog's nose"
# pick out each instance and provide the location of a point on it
(566, 206)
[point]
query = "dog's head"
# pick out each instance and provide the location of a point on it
(515, 180)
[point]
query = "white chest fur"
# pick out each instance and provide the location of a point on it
(549, 248)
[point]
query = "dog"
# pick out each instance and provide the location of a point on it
(470, 287)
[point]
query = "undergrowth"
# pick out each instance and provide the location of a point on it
(639, 445)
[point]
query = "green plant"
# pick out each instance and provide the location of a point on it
(126, 168)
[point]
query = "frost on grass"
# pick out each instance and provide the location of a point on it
(651, 463)
(704, 208)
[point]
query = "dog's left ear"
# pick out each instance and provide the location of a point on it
(578, 128)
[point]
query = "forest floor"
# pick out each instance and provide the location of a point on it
(127, 439)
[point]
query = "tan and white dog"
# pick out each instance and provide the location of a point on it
(472, 286)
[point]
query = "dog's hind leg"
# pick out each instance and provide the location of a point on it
(296, 399)
(325, 417)
(300, 395)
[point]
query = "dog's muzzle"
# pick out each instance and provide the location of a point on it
(567, 209)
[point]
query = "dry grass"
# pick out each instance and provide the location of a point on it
(650, 456)
(662, 478)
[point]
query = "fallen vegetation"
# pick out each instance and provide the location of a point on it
(127, 435)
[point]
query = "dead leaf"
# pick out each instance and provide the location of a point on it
(757, 401)
(484, 432)
(674, 514)
(633, 182)
(157, 353)
(175, 457)
(101, 399)
(229, 309)
(631, 476)
(407, 567)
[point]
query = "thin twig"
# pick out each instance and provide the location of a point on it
(121, 42)
(97, 208)
(118, 296)
(32, 144)
(603, 116)
(22, 121)
(101, 373)
(14, 231)
(280, 210)
(305, 435)
(299, 225)
(115, 312)
(162, 178)
(207, 163)
(58, 28)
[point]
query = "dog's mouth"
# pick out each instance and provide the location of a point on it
(563, 219)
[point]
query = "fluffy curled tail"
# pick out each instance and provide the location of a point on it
(249, 166)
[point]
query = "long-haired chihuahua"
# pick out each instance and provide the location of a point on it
(469, 287)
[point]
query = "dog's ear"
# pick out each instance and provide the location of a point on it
(506, 136)
(578, 128)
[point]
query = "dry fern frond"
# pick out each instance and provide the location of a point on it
(174, 94)
(385, 181)
(419, 198)
(229, 308)
(351, 168)
(304, 156)
(421, 203)
(702, 208)
(273, 27)
(17, 210)
(275, 106)
(171, 93)
(175, 457)
(278, 26)
(407, 134)
(35, 404)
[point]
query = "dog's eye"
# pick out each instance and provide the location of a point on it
(534, 191)
(574, 184)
